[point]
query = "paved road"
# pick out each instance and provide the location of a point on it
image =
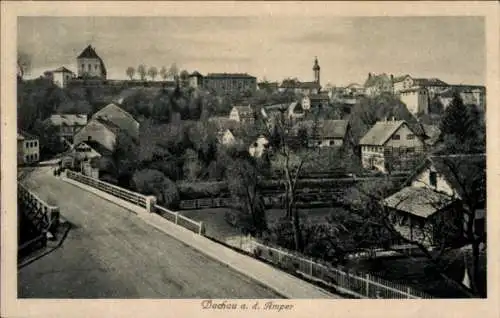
(111, 253)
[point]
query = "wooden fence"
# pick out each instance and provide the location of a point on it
(207, 203)
(357, 284)
(179, 219)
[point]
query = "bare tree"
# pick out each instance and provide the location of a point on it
(290, 163)
(164, 73)
(173, 71)
(23, 64)
(153, 72)
(130, 72)
(141, 70)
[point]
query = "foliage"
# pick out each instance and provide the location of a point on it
(153, 182)
(462, 128)
(141, 70)
(130, 72)
(202, 189)
(152, 72)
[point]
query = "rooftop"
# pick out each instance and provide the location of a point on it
(231, 75)
(381, 132)
(419, 201)
(68, 119)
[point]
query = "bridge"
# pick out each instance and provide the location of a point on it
(111, 251)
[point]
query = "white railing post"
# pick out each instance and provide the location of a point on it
(367, 286)
(176, 217)
(408, 291)
(200, 229)
(311, 267)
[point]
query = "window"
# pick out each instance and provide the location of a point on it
(35, 156)
(433, 178)
(35, 144)
(410, 136)
(83, 66)
(90, 67)
(396, 137)
(96, 67)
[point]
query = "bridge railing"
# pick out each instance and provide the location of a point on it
(43, 216)
(179, 219)
(126, 195)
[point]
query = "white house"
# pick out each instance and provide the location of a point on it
(386, 140)
(68, 124)
(435, 191)
(225, 137)
(327, 133)
(415, 99)
(242, 114)
(28, 148)
(61, 76)
(258, 148)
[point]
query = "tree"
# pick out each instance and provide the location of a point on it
(164, 73)
(141, 70)
(130, 72)
(23, 64)
(290, 163)
(468, 175)
(154, 182)
(184, 77)
(173, 71)
(152, 72)
(242, 176)
(462, 129)
(124, 158)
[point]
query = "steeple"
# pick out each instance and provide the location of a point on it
(316, 70)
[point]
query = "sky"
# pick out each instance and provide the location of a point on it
(450, 48)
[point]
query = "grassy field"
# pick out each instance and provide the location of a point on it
(218, 228)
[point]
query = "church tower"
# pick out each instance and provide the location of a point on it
(316, 70)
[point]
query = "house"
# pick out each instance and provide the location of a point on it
(229, 82)
(471, 95)
(292, 110)
(90, 65)
(61, 76)
(195, 79)
(405, 82)
(120, 118)
(258, 147)
(28, 149)
(378, 84)
(83, 158)
(315, 101)
(98, 131)
(323, 133)
(354, 89)
(388, 144)
(432, 202)
(67, 124)
(225, 137)
(416, 100)
(242, 114)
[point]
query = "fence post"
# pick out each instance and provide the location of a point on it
(176, 216)
(311, 267)
(367, 286)
(408, 291)
(200, 229)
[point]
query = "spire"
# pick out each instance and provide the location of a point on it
(316, 64)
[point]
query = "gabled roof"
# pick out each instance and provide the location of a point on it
(419, 201)
(120, 118)
(101, 134)
(68, 119)
(381, 132)
(62, 69)
(88, 53)
(412, 89)
(465, 173)
(309, 85)
(90, 152)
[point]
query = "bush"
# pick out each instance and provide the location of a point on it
(154, 182)
(190, 191)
